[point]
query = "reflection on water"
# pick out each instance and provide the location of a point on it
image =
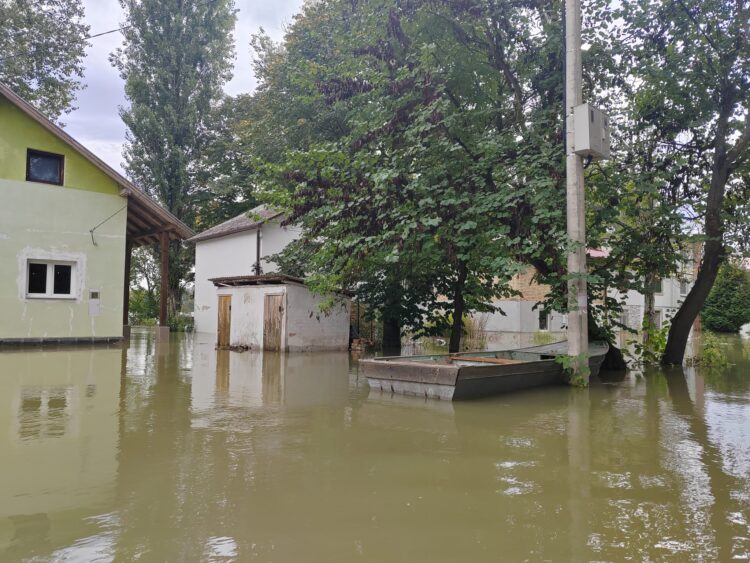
(180, 452)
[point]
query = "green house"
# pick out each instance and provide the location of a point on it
(68, 223)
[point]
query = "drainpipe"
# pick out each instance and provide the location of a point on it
(258, 236)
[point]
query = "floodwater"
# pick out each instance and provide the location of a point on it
(179, 453)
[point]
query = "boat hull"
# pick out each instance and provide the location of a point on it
(465, 376)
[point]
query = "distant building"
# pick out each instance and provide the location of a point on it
(241, 299)
(232, 249)
(524, 314)
(68, 223)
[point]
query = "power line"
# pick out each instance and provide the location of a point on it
(108, 32)
(196, 5)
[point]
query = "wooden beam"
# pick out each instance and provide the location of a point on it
(164, 239)
(126, 290)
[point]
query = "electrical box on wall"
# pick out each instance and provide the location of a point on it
(591, 132)
(94, 303)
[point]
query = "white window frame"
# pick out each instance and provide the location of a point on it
(50, 279)
(684, 284)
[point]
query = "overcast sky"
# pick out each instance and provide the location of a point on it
(96, 123)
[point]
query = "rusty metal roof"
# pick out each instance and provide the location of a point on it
(262, 279)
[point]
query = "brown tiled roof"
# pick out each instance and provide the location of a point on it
(246, 221)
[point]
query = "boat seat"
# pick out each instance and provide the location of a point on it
(485, 360)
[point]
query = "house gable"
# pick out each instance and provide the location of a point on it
(19, 133)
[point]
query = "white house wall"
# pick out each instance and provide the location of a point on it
(274, 238)
(309, 329)
(232, 255)
(520, 316)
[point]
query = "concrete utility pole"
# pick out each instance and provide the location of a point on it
(578, 337)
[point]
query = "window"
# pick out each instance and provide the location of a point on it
(50, 279)
(683, 287)
(543, 320)
(44, 167)
(655, 286)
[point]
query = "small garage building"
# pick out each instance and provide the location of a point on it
(277, 312)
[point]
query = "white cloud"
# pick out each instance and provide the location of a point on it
(97, 124)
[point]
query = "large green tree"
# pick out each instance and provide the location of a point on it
(444, 171)
(689, 60)
(42, 45)
(176, 57)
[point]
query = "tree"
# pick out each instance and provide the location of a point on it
(176, 57)
(690, 60)
(42, 45)
(409, 204)
(727, 307)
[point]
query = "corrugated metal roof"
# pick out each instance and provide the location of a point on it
(255, 280)
(246, 221)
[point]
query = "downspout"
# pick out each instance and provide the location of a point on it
(258, 237)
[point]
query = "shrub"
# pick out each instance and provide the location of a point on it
(711, 353)
(727, 307)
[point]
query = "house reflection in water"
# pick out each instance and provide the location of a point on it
(58, 438)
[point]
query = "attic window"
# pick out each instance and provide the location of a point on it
(44, 167)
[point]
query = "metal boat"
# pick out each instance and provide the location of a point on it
(470, 375)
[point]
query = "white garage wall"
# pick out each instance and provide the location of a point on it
(232, 255)
(309, 329)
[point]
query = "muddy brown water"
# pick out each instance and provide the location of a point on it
(180, 453)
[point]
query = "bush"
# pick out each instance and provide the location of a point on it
(711, 353)
(728, 305)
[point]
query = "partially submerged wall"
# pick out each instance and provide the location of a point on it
(310, 329)
(303, 328)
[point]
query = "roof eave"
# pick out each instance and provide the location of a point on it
(129, 190)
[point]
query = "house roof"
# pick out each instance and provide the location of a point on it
(247, 221)
(146, 218)
(263, 279)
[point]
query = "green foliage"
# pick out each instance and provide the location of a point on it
(687, 64)
(144, 307)
(175, 59)
(423, 179)
(576, 370)
(711, 352)
(42, 45)
(649, 349)
(728, 305)
(180, 323)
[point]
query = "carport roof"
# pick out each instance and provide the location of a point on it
(263, 279)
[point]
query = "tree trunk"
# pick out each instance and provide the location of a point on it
(713, 253)
(458, 310)
(679, 331)
(392, 334)
(649, 315)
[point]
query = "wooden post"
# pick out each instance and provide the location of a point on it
(164, 291)
(126, 290)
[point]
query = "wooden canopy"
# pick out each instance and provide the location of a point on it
(147, 220)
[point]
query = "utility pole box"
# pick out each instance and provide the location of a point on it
(591, 132)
